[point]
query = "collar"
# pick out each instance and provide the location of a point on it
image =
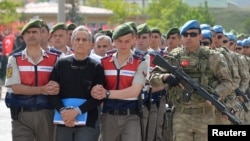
(25, 54)
(129, 60)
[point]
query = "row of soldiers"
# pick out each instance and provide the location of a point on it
(208, 55)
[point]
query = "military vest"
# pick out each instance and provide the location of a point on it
(196, 65)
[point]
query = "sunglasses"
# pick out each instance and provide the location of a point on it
(238, 48)
(205, 43)
(78, 67)
(231, 43)
(246, 46)
(192, 34)
(224, 41)
(219, 36)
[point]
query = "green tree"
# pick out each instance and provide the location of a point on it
(121, 10)
(8, 12)
(247, 26)
(174, 13)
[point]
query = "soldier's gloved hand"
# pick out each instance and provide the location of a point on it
(170, 80)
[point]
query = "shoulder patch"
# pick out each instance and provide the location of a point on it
(138, 57)
(9, 71)
(17, 54)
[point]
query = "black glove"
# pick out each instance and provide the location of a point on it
(171, 81)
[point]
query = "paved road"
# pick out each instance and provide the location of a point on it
(5, 120)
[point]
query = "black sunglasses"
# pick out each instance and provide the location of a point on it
(78, 67)
(205, 43)
(238, 48)
(224, 41)
(219, 36)
(192, 34)
(246, 46)
(231, 43)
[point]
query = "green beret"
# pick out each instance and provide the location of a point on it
(71, 26)
(31, 24)
(122, 30)
(143, 28)
(133, 25)
(173, 31)
(107, 32)
(164, 36)
(58, 26)
(156, 30)
(44, 24)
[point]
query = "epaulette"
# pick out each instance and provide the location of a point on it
(137, 57)
(111, 51)
(53, 50)
(154, 53)
(17, 54)
(140, 53)
(107, 56)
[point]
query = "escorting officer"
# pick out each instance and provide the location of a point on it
(206, 67)
(125, 76)
(28, 74)
(150, 108)
(173, 39)
(59, 38)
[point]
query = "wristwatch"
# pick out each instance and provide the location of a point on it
(107, 93)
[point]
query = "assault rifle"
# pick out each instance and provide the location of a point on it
(246, 100)
(190, 86)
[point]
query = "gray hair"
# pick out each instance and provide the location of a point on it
(103, 37)
(81, 28)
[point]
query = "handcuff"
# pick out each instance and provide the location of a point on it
(66, 108)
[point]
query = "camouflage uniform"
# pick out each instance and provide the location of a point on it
(208, 68)
(247, 114)
(244, 82)
(230, 100)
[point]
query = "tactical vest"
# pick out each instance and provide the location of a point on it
(196, 65)
(32, 75)
(118, 79)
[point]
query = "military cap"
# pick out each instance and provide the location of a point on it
(218, 29)
(164, 36)
(239, 43)
(71, 26)
(156, 30)
(205, 26)
(107, 32)
(192, 24)
(245, 42)
(133, 25)
(206, 34)
(58, 26)
(231, 36)
(173, 31)
(142, 29)
(122, 30)
(44, 24)
(31, 24)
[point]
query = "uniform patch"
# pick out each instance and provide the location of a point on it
(9, 71)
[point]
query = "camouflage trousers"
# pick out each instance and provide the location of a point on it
(191, 124)
(246, 115)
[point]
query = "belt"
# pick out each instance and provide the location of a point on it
(32, 109)
(123, 112)
(193, 111)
